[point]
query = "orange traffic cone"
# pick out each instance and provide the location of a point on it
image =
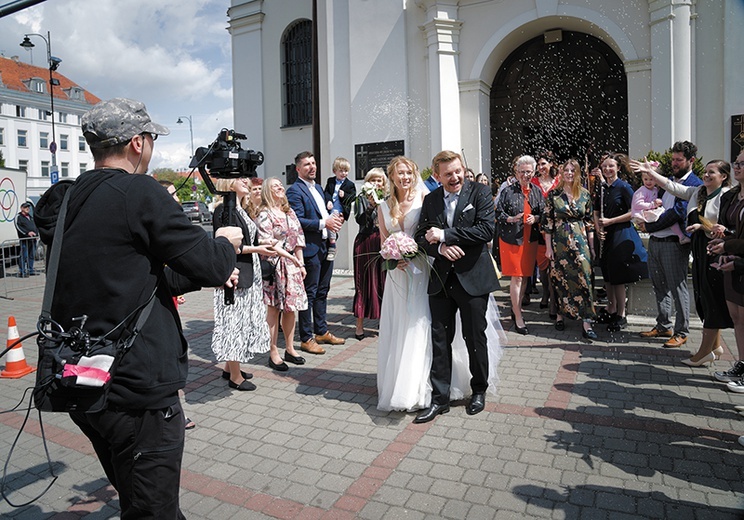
(15, 366)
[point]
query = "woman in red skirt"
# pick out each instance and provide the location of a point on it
(518, 214)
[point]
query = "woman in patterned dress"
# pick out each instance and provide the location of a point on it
(569, 244)
(285, 292)
(240, 329)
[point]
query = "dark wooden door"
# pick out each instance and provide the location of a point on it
(566, 97)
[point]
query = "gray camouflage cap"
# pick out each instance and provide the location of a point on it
(116, 121)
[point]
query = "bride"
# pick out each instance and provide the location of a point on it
(404, 344)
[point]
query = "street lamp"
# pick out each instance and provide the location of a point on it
(53, 63)
(191, 131)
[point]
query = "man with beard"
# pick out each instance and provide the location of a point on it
(667, 258)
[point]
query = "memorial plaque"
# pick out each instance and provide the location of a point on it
(737, 136)
(375, 155)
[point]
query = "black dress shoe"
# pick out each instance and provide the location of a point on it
(297, 360)
(476, 404)
(589, 334)
(359, 337)
(279, 367)
(246, 375)
(544, 305)
(553, 317)
(245, 386)
(521, 330)
(431, 412)
(560, 325)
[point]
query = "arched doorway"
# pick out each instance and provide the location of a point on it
(570, 97)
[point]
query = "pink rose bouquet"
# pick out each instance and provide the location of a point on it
(397, 246)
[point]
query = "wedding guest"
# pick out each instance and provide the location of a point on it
(623, 258)
(254, 198)
(369, 278)
(469, 175)
(731, 217)
(569, 244)
(703, 206)
(240, 330)
(547, 178)
(483, 179)
(518, 213)
(307, 200)
(284, 292)
(340, 193)
(668, 259)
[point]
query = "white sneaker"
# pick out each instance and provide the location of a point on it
(736, 372)
(739, 407)
(736, 386)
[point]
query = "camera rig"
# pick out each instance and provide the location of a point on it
(226, 159)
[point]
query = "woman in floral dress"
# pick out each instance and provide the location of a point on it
(240, 329)
(569, 236)
(285, 292)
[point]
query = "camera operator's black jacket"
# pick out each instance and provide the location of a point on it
(120, 232)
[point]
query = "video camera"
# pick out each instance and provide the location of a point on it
(226, 159)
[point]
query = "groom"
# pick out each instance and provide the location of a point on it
(456, 224)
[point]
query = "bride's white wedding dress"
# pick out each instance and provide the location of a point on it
(404, 344)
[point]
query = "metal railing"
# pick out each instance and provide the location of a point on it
(19, 272)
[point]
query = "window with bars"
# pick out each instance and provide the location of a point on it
(297, 70)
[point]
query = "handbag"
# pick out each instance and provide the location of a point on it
(75, 370)
(267, 270)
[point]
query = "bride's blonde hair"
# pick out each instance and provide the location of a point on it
(395, 213)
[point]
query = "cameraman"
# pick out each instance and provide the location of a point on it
(120, 231)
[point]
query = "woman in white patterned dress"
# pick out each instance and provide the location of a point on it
(240, 329)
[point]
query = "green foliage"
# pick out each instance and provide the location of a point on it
(426, 173)
(184, 186)
(2, 160)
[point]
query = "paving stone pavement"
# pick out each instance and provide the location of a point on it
(615, 429)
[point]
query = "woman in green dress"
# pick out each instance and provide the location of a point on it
(569, 236)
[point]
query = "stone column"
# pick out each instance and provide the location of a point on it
(442, 31)
(671, 69)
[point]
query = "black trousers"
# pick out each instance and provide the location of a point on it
(141, 452)
(444, 306)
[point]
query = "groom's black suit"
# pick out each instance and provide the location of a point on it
(463, 284)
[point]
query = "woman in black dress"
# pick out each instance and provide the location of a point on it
(369, 278)
(623, 259)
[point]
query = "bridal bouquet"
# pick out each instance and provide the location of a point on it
(397, 246)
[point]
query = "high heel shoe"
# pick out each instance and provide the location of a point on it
(718, 351)
(521, 330)
(710, 358)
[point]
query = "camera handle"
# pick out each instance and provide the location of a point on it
(229, 202)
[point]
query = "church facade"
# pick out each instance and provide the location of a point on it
(489, 78)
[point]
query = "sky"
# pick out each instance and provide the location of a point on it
(173, 55)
